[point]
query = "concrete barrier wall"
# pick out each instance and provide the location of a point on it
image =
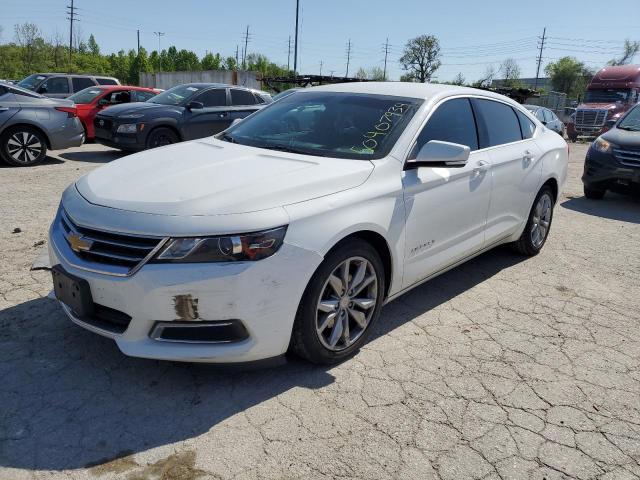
(166, 80)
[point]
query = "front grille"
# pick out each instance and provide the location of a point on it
(590, 117)
(630, 158)
(96, 246)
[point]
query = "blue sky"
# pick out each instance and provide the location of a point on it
(472, 34)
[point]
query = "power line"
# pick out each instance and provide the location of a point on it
(544, 33)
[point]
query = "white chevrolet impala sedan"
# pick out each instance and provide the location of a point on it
(290, 230)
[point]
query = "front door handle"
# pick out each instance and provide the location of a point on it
(481, 167)
(4, 109)
(224, 114)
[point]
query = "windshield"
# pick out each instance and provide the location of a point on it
(32, 81)
(631, 121)
(342, 125)
(607, 95)
(87, 95)
(175, 95)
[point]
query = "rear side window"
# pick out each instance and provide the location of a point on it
(55, 85)
(106, 81)
(242, 97)
(80, 83)
(213, 98)
(453, 122)
(497, 122)
(527, 127)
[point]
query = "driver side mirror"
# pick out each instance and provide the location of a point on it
(235, 121)
(195, 105)
(103, 102)
(42, 89)
(440, 154)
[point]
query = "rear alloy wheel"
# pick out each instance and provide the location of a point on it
(341, 303)
(593, 193)
(162, 136)
(538, 225)
(23, 146)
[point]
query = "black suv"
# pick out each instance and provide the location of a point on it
(613, 160)
(61, 85)
(185, 112)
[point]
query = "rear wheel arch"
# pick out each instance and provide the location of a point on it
(28, 125)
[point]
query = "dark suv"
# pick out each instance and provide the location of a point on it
(613, 160)
(185, 112)
(61, 85)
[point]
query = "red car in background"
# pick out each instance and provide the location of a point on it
(92, 100)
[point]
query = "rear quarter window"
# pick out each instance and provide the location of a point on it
(527, 127)
(106, 81)
(80, 83)
(242, 97)
(498, 123)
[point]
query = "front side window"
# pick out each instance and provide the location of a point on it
(142, 96)
(32, 81)
(213, 98)
(242, 97)
(80, 83)
(497, 122)
(631, 120)
(175, 96)
(85, 96)
(330, 124)
(453, 122)
(55, 85)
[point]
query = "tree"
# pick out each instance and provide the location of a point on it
(510, 71)
(211, 61)
(459, 80)
(27, 36)
(630, 51)
(376, 74)
(568, 75)
(361, 74)
(487, 78)
(421, 58)
(230, 63)
(94, 49)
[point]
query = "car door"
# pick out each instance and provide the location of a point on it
(212, 118)
(9, 105)
(243, 103)
(55, 87)
(445, 207)
(506, 134)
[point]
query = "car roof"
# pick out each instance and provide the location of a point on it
(121, 87)
(426, 91)
(532, 107)
(97, 75)
(219, 85)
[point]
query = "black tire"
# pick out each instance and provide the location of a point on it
(573, 138)
(593, 193)
(23, 146)
(305, 340)
(526, 245)
(161, 136)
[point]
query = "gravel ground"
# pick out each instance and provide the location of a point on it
(502, 368)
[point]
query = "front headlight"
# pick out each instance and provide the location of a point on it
(230, 248)
(601, 145)
(127, 128)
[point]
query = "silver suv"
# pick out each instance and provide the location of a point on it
(31, 123)
(61, 85)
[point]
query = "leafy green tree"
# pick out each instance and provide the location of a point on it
(569, 75)
(211, 62)
(94, 49)
(230, 63)
(376, 74)
(421, 58)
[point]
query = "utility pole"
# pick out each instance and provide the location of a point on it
(386, 54)
(321, 63)
(138, 43)
(289, 55)
(139, 65)
(295, 53)
(159, 35)
(544, 34)
(348, 57)
(237, 56)
(244, 54)
(71, 11)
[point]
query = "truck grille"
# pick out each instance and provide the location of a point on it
(96, 246)
(590, 117)
(630, 158)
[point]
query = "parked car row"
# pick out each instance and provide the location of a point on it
(125, 117)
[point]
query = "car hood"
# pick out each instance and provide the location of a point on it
(134, 107)
(212, 177)
(623, 138)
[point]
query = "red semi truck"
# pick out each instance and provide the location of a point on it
(612, 91)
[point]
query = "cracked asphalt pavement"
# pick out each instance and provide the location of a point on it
(504, 368)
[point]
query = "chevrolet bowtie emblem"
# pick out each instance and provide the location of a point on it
(79, 243)
(101, 122)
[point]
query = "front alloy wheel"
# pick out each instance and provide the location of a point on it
(23, 146)
(340, 304)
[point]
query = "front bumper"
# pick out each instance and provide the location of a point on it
(263, 295)
(602, 171)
